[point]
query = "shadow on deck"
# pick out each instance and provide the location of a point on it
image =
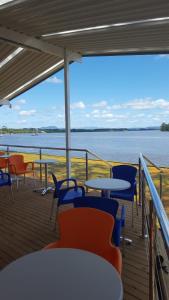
(25, 227)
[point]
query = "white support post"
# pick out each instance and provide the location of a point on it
(67, 112)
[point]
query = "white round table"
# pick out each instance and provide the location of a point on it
(61, 274)
(108, 184)
(45, 162)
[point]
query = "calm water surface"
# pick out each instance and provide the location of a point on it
(116, 146)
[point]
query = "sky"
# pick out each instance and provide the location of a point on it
(108, 92)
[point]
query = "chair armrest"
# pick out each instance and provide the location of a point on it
(60, 182)
(29, 163)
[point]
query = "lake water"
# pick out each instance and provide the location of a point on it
(116, 146)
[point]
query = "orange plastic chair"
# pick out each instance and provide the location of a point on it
(17, 166)
(88, 229)
(3, 161)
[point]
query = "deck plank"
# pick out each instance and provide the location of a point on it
(25, 227)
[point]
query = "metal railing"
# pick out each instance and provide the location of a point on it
(155, 226)
(41, 149)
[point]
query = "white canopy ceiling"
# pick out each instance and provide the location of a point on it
(86, 27)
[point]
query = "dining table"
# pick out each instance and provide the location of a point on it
(61, 274)
(46, 162)
(107, 185)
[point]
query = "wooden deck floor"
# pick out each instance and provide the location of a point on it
(25, 227)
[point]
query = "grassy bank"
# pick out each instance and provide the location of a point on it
(97, 168)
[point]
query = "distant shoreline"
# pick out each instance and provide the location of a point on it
(50, 130)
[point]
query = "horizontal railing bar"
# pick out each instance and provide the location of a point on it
(43, 148)
(153, 164)
(56, 148)
(100, 158)
(159, 208)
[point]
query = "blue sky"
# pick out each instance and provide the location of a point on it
(121, 91)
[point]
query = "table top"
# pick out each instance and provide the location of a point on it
(61, 274)
(45, 161)
(110, 184)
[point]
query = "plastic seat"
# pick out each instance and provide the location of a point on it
(108, 205)
(3, 161)
(5, 180)
(17, 166)
(126, 172)
(65, 195)
(88, 229)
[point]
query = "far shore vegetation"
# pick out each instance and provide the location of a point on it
(50, 129)
(164, 126)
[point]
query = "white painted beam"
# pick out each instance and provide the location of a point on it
(32, 43)
(67, 112)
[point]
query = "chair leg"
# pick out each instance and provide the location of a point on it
(17, 183)
(137, 205)
(52, 207)
(51, 210)
(12, 195)
(132, 221)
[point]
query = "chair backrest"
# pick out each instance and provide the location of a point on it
(3, 161)
(104, 204)
(16, 160)
(85, 228)
(125, 172)
(54, 179)
(5, 178)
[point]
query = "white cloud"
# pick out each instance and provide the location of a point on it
(163, 56)
(100, 104)
(145, 103)
(77, 105)
(54, 80)
(16, 107)
(21, 101)
(106, 115)
(21, 121)
(27, 112)
(60, 116)
(148, 104)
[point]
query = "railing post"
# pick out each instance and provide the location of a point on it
(7, 149)
(143, 202)
(87, 169)
(140, 183)
(161, 185)
(40, 157)
(151, 251)
(111, 173)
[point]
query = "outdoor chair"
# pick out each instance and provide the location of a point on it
(5, 180)
(88, 229)
(126, 172)
(108, 205)
(64, 195)
(18, 167)
(3, 161)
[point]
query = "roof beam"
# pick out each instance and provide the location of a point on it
(34, 44)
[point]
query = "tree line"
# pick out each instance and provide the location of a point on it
(164, 126)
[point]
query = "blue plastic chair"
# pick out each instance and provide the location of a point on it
(5, 180)
(65, 195)
(126, 172)
(108, 205)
